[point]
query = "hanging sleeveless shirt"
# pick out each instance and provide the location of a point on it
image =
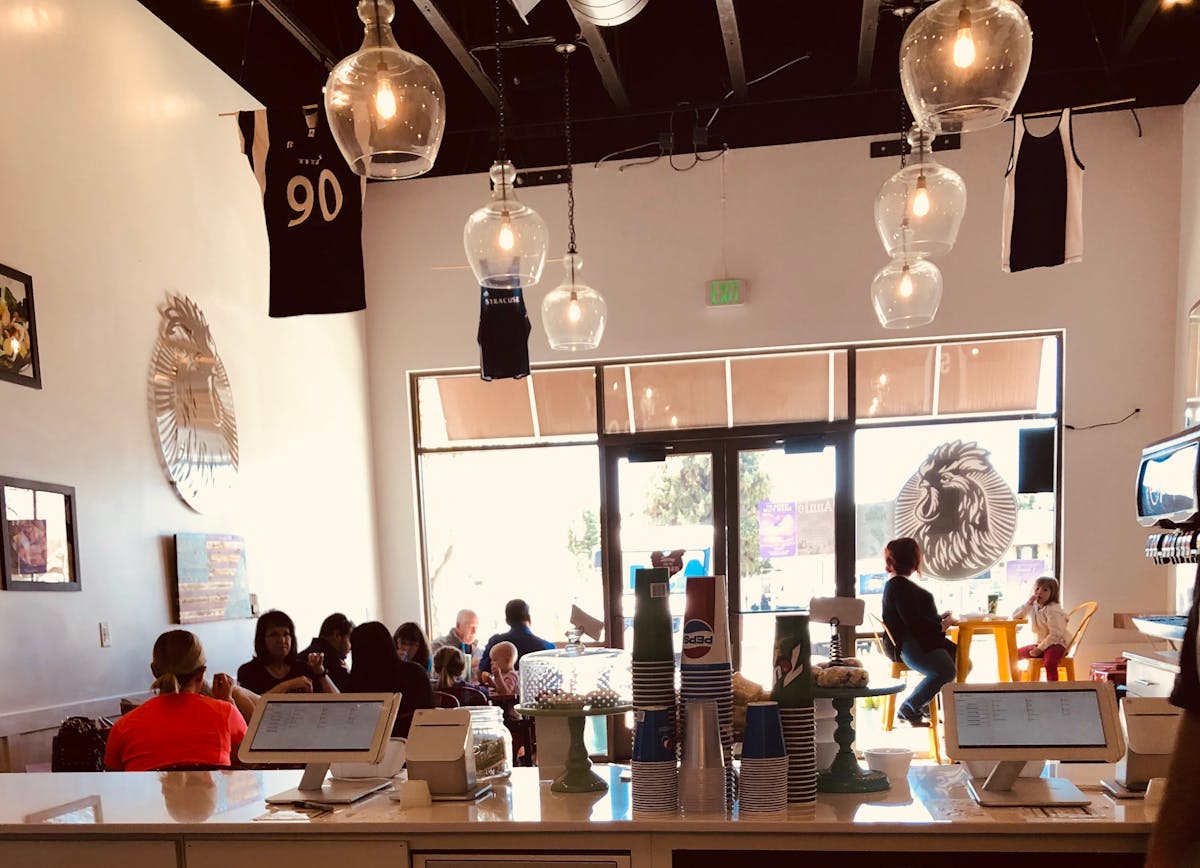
(1043, 198)
(503, 334)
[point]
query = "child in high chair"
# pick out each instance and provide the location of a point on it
(1049, 623)
(504, 658)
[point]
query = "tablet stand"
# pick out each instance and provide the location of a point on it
(1004, 788)
(314, 788)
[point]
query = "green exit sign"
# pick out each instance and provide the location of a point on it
(730, 292)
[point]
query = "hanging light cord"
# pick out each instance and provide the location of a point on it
(566, 52)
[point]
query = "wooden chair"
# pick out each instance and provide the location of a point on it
(1080, 616)
(899, 670)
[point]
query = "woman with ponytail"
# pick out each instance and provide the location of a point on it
(179, 726)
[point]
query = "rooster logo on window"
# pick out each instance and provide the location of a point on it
(960, 511)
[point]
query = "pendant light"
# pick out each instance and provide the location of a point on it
(963, 63)
(906, 293)
(505, 240)
(920, 208)
(386, 107)
(573, 313)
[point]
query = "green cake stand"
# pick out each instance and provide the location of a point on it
(845, 775)
(579, 777)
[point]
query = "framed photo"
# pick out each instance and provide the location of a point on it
(18, 332)
(37, 536)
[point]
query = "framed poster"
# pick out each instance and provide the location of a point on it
(211, 578)
(18, 330)
(37, 525)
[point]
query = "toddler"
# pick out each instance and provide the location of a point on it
(504, 659)
(1049, 623)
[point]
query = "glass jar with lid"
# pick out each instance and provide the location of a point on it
(576, 677)
(492, 743)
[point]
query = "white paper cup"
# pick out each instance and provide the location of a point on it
(892, 761)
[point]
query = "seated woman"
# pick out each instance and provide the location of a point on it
(377, 668)
(276, 668)
(179, 726)
(449, 663)
(412, 645)
(916, 628)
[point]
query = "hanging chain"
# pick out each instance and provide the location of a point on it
(503, 153)
(903, 130)
(566, 52)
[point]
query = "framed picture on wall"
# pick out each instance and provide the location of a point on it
(18, 331)
(37, 531)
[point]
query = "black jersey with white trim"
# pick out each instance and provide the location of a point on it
(312, 202)
(503, 334)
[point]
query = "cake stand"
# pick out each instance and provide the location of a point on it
(578, 777)
(845, 775)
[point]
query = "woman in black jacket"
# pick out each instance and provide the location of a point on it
(377, 668)
(917, 629)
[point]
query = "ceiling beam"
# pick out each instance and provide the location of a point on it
(293, 25)
(458, 48)
(604, 63)
(866, 42)
(733, 48)
(1141, 20)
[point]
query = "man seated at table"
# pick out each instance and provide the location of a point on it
(333, 641)
(462, 637)
(516, 615)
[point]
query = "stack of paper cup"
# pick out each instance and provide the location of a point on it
(705, 672)
(763, 786)
(655, 779)
(653, 654)
(793, 690)
(702, 774)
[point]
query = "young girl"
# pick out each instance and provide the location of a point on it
(1049, 623)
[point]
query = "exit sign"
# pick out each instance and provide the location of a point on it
(730, 292)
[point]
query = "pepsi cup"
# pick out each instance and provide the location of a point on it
(654, 735)
(763, 738)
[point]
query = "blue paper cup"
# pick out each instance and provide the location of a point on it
(764, 732)
(654, 734)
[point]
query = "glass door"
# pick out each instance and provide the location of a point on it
(784, 540)
(665, 508)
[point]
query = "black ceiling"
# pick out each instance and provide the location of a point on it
(670, 61)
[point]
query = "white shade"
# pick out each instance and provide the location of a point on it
(386, 107)
(573, 313)
(963, 63)
(505, 240)
(919, 209)
(906, 293)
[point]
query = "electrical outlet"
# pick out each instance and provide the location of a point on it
(105, 635)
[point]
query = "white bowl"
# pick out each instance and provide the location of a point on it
(892, 761)
(388, 767)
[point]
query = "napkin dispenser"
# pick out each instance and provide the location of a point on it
(1150, 725)
(440, 750)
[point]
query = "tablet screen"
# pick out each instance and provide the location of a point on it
(317, 726)
(1033, 718)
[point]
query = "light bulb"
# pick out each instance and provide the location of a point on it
(505, 238)
(906, 284)
(574, 312)
(920, 201)
(964, 41)
(385, 97)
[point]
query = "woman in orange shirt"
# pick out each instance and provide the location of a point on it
(179, 726)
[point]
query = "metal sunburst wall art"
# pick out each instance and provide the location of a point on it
(192, 405)
(960, 511)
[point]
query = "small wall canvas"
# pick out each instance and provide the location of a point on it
(18, 332)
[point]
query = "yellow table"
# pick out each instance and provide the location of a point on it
(1004, 630)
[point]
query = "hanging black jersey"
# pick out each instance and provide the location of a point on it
(313, 207)
(1043, 198)
(503, 334)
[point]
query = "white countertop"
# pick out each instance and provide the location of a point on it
(179, 803)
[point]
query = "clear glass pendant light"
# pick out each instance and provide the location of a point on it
(963, 63)
(920, 208)
(573, 313)
(386, 107)
(505, 240)
(906, 293)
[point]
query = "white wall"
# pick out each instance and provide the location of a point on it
(800, 228)
(121, 184)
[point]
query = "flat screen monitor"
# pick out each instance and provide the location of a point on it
(1167, 481)
(1014, 723)
(318, 729)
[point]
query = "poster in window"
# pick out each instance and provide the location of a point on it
(776, 529)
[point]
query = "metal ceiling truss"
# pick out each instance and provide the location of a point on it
(733, 48)
(603, 59)
(1141, 20)
(458, 48)
(299, 30)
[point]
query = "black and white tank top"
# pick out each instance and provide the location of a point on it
(503, 334)
(1043, 198)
